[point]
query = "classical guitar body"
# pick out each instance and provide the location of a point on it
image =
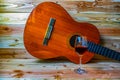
(44, 42)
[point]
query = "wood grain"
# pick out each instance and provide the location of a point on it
(18, 29)
(99, 19)
(16, 63)
(112, 42)
(21, 53)
(56, 70)
(78, 5)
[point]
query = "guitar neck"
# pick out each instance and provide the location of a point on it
(98, 49)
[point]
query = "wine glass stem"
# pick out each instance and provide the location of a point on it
(80, 61)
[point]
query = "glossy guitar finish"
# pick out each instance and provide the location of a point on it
(63, 30)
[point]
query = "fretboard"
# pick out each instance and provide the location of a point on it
(98, 49)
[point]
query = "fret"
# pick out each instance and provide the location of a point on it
(114, 57)
(109, 53)
(103, 49)
(105, 53)
(98, 49)
(94, 48)
(112, 54)
(91, 46)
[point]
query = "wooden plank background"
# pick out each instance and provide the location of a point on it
(16, 63)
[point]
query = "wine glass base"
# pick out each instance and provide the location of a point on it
(80, 71)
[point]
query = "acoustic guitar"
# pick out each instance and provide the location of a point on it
(50, 32)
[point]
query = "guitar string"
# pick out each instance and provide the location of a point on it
(98, 49)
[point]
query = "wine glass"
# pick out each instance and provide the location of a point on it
(80, 46)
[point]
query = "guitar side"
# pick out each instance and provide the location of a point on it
(64, 28)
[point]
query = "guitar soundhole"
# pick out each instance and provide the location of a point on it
(72, 40)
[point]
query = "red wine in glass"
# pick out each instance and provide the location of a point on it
(80, 47)
(80, 50)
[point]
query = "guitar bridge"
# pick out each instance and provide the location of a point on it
(49, 31)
